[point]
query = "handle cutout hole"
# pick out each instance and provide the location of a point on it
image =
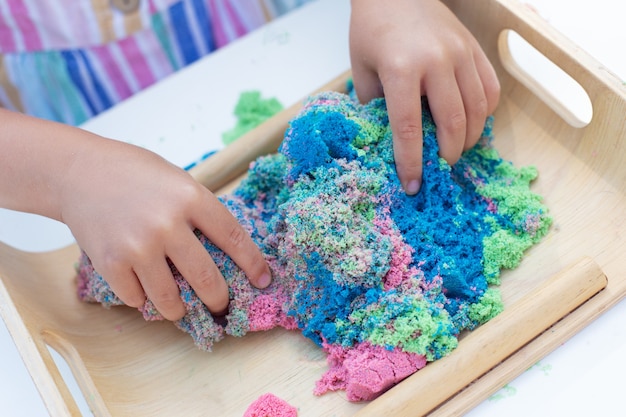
(564, 95)
(70, 381)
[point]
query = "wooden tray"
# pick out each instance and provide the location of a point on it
(128, 367)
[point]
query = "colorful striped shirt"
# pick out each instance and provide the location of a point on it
(68, 60)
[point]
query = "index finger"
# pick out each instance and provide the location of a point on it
(405, 117)
(197, 267)
(226, 233)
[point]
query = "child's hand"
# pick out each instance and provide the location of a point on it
(408, 48)
(129, 210)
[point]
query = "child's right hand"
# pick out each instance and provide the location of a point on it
(129, 209)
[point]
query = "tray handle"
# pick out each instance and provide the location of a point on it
(489, 21)
(51, 385)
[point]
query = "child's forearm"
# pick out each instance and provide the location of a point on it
(35, 159)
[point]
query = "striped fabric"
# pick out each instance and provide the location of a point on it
(68, 60)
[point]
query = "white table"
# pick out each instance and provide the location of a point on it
(576, 379)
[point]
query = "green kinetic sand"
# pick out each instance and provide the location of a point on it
(251, 110)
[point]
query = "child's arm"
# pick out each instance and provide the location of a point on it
(128, 208)
(405, 49)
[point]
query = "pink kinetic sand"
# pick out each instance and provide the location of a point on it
(269, 405)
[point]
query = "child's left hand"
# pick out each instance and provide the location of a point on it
(405, 49)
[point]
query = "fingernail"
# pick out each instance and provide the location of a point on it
(265, 280)
(412, 187)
